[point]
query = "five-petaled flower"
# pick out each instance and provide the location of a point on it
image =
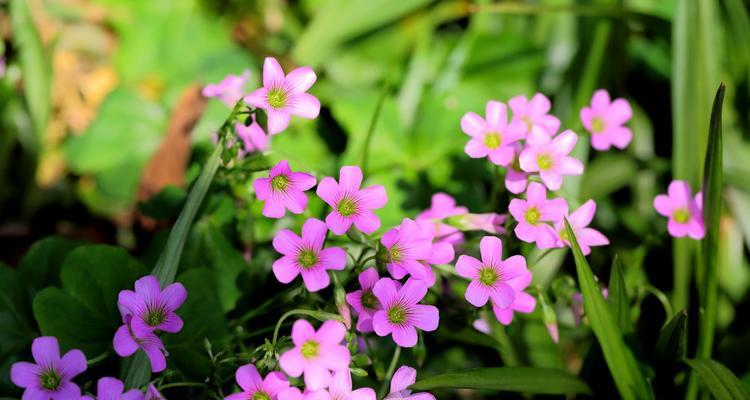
(112, 389)
(401, 313)
(549, 157)
(403, 378)
(533, 214)
(50, 376)
(579, 221)
(606, 120)
(522, 302)
(534, 113)
(341, 389)
(306, 256)
(682, 209)
(283, 190)
(255, 387)
(316, 354)
(284, 95)
(126, 344)
(493, 137)
(230, 90)
(152, 309)
(405, 245)
(364, 301)
(351, 205)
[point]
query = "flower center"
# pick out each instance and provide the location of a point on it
(279, 182)
(528, 122)
(397, 315)
(155, 317)
(50, 380)
(395, 253)
(597, 125)
(564, 235)
(310, 349)
(346, 207)
(260, 396)
(544, 161)
(681, 215)
(307, 258)
(488, 276)
(532, 215)
(276, 98)
(369, 301)
(493, 140)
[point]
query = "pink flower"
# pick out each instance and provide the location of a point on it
(316, 354)
(350, 204)
(405, 245)
(253, 138)
(112, 389)
(488, 222)
(255, 386)
(533, 213)
(126, 344)
(444, 206)
(402, 379)
(492, 137)
(306, 256)
(515, 179)
(549, 157)
(283, 96)
(341, 389)
(579, 221)
(522, 302)
(152, 309)
(401, 313)
(230, 90)
(283, 190)
(50, 376)
(364, 301)
(490, 277)
(153, 394)
(683, 210)
(605, 120)
(534, 113)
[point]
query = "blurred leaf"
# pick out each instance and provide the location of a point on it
(607, 174)
(41, 265)
(509, 379)
(166, 204)
(16, 329)
(622, 364)
(719, 380)
(618, 297)
(672, 343)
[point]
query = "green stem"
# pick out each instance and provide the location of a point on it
(371, 129)
(663, 299)
(589, 10)
(507, 350)
(98, 358)
(389, 372)
(181, 384)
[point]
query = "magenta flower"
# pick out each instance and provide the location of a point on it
(579, 221)
(534, 113)
(49, 377)
(364, 301)
(306, 256)
(490, 277)
(153, 394)
(316, 354)
(492, 137)
(253, 138)
(405, 245)
(682, 209)
(515, 179)
(522, 302)
(443, 206)
(439, 252)
(126, 344)
(255, 387)
(533, 214)
(284, 95)
(283, 190)
(291, 393)
(112, 389)
(401, 313)
(230, 90)
(606, 120)
(341, 389)
(152, 309)
(350, 204)
(402, 379)
(488, 222)
(549, 157)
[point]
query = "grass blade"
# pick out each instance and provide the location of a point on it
(618, 297)
(672, 343)
(622, 364)
(509, 379)
(719, 380)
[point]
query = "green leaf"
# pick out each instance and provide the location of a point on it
(509, 379)
(719, 380)
(16, 329)
(672, 343)
(41, 265)
(84, 314)
(618, 297)
(606, 174)
(166, 203)
(622, 363)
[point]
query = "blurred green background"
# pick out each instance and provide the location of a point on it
(91, 88)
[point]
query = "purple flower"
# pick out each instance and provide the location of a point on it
(284, 95)
(579, 221)
(444, 206)
(126, 344)
(605, 120)
(364, 301)
(682, 209)
(255, 387)
(230, 90)
(533, 213)
(153, 394)
(50, 376)
(549, 157)
(515, 179)
(490, 277)
(492, 137)
(522, 302)
(534, 113)
(253, 138)
(112, 389)
(341, 389)
(439, 252)
(402, 379)
(152, 309)
(405, 245)
(401, 313)
(306, 256)
(350, 204)
(283, 190)
(316, 354)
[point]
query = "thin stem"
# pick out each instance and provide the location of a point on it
(98, 358)
(181, 384)
(389, 372)
(371, 129)
(663, 299)
(588, 10)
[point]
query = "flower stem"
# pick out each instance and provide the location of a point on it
(319, 315)
(181, 384)
(371, 129)
(98, 358)
(390, 371)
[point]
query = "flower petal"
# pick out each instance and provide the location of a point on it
(285, 269)
(304, 105)
(472, 124)
(315, 278)
(272, 73)
(491, 248)
(300, 79)
(46, 351)
(403, 378)
(287, 242)
(72, 364)
(25, 374)
(314, 233)
(248, 378)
